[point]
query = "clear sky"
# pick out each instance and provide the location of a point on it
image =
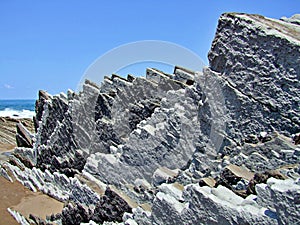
(49, 44)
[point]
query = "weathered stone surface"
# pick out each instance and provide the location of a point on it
(208, 206)
(75, 214)
(164, 139)
(260, 57)
(295, 19)
(110, 208)
(23, 136)
(282, 196)
(155, 139)
(267, 156)
(8, 131)
(286, 195)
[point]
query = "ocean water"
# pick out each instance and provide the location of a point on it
(17, 108)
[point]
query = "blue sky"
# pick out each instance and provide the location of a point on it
(49, 44)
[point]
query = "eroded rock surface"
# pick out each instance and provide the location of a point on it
(217, 146)
(8, 132)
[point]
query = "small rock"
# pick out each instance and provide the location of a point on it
(296, 138)
(130, 222)
(264, 137)
(5, 174)
(251, 139)
(163, 175)
(207, 181)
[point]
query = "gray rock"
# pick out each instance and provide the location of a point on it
(264, 197)
(281, 196)
(23, 136)
(110, 208)
(267, 156)
(260, 57)
(295, 19)
(75, 214)
(39, 107)
(4, 174)
(221, 207)
(163, 174)
(239, 112)
(285, 194)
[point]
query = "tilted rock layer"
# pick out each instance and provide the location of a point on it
(207, 147)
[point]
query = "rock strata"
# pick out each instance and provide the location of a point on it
(12, 130)
(23, 137)
(218, 146)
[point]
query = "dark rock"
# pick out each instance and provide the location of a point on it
(23, 136)
(262, 178)
(75, 214)
(39, 107)
(264, 137)
(251, 138)
(228, 178)
(296, 138)
(110, 208)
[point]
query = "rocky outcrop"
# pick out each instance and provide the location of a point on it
(190, 147)
(259, 58)
(12, 129)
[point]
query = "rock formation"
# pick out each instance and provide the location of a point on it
(14, 130)
(217, 146)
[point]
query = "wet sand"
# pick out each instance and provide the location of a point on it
(39, 205)
(17, 197)
(11, 194)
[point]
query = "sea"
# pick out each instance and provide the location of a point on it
(17, 108)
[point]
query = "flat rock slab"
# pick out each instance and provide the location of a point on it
(240, 172)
